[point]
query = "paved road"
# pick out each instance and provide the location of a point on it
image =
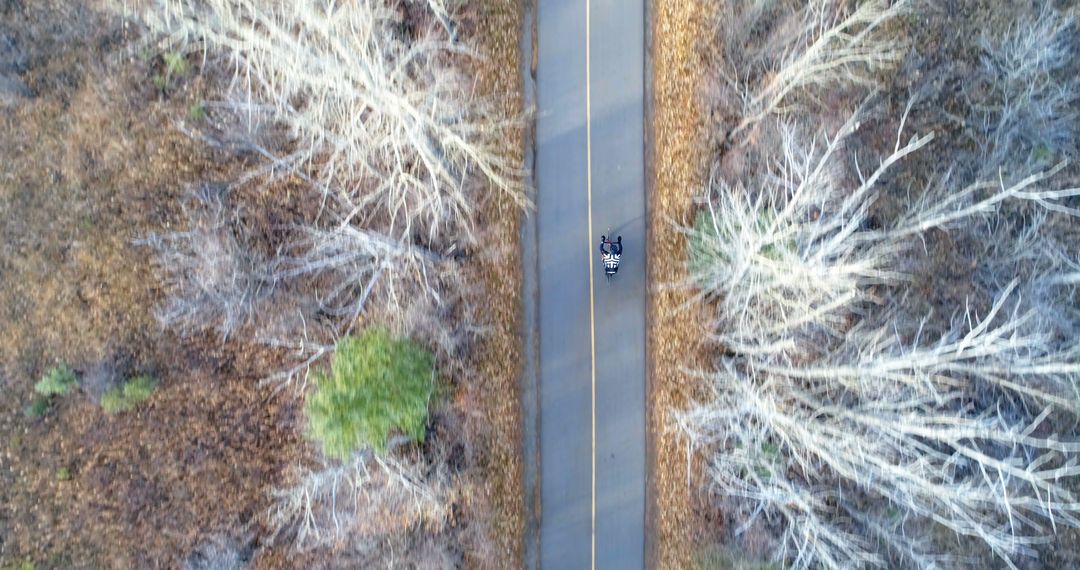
(590, 149)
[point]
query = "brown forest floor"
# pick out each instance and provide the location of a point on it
(674, 337)
(94, 161)
(88, 164)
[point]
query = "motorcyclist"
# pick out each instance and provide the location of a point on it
(611, 252)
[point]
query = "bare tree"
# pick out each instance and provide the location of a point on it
(386, 120)
(832, 397)
(833, 48)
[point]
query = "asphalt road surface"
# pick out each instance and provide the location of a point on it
(590, 177)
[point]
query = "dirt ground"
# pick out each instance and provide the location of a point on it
(93, 160)
(679, 160)
(90, 162)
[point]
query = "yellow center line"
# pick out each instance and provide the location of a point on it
(592, 310)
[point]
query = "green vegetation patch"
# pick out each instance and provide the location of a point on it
(701, 249)
(37, 407)
(175, 63)
(720, 558)
(377, 384)
(197, 112)
(59, 380)
(129, 395)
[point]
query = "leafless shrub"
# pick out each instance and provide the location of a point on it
(362, 502)
(411, 551)
(220, 553)
(1039, 250)
(360, 261)
(743, 29)
(834, 412)
(386, 118)
(1025, 98)
(351, 273)
(213, 278)
(442, 10)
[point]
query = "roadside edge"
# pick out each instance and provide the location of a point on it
(650, 175)
(530, 299)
